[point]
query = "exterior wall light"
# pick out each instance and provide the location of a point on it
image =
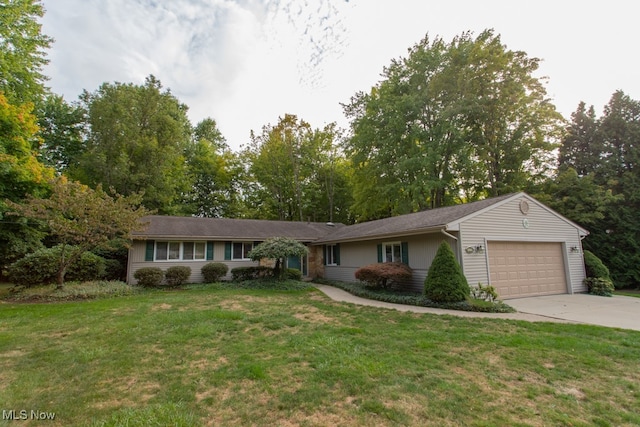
(479, 249)
(574, 249)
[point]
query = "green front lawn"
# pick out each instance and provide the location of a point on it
(215, 356)
(628, 292)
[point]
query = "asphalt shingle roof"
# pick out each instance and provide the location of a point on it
(254, 229)
(432, 218)
(230, 229)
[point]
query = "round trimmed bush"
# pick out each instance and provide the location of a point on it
(177, 275)
(384, 275)
(41, 267)
(149, 276)
(599, 286)
(595, 267)
(293, 274)
(445, 281)
(214, 271)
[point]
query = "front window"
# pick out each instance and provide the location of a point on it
(186, 251)
(241, 250)
(392, 252)
(193, 250)
(332, 254)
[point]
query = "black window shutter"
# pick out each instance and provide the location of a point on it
(379, 252)
(337, 260)
(227, 251)
(209, 250)
(148, 255)
(325, 251)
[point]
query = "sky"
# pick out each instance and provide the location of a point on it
(246, 63)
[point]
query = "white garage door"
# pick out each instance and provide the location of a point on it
(522, 269)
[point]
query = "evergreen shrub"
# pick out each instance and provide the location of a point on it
(445, 281)
(595, 267)
(177, 275)
(149, 276)
(214, 271)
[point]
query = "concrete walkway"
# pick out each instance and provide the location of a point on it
(337, 294)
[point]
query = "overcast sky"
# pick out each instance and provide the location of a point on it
(245, 63)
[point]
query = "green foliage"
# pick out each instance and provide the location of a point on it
(384, 275)
(420, 300)
(136, 144)
(22, 50)
(177, 275)
(293, 274)
(278, 248)
(296, 172)
(214, 271)
(614, 229)
(21, 174)
(41, 267)
(82, 218)
(149, 276)
(74, 291)
(466, 117)
(240, 274)
(484, 293)
(445, 281)
(62, 130)
(595, 267)
(599, 286)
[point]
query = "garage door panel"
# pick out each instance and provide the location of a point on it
(526, 268)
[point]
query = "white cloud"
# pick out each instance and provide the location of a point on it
(247, 62)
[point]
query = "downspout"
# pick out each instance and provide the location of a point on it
(459, 249)
(448, 235)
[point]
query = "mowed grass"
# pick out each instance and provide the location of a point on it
(241, 357)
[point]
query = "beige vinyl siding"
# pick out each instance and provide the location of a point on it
(422, 249)
(505, 223)
(137, 261)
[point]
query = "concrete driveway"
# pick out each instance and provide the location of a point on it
(618, 311)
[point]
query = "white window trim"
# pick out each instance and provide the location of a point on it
(330, 254)
(384, 251)
(181, 255)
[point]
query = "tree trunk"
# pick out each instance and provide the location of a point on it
(60, 277)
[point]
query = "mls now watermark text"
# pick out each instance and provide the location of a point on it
(23, 415)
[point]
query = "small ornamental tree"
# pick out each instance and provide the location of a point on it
(82, 219)
(278, 248)
(445, 281)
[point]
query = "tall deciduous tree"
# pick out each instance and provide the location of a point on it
(62, 129)
(606, 151)
(82, 219)
(213, 172)
(22, 50)
(136, 143)
(294, 171)
(21, 174)
(465, 118)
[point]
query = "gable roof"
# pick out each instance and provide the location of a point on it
(176, 227)
(424, 221)
(432, 220)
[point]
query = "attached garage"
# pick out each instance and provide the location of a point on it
(512, 242)
(522, 269)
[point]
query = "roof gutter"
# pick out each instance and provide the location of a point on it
(442, 230)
